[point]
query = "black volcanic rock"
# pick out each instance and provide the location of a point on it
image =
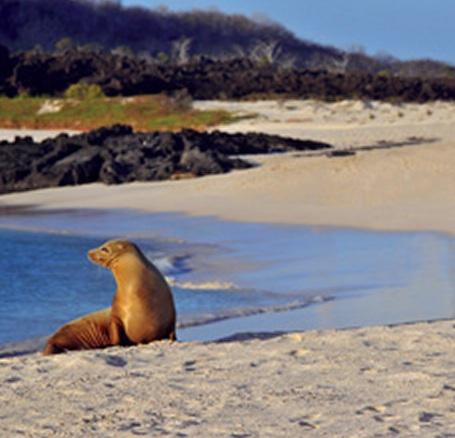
(117, 155)
(51, 74)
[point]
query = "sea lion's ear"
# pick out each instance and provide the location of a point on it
(120, 245)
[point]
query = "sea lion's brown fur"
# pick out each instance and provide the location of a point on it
(142, 310)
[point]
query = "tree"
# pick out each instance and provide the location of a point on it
(37, 48)
(84, 91)
(288, 62)
(180, 50)
(341, 63)
(266, 51)
(91, 48)
(64, 44)
(162, 58)
(123, 51)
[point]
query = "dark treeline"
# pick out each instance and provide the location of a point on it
(38, 73)
(43, 25)
(29, 24)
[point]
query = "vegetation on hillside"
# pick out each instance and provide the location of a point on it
(160, 35)
(50, 45)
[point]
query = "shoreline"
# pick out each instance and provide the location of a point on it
(28, 210)
(34, 346)
(319, 304)
(407, 188)
(49, 210)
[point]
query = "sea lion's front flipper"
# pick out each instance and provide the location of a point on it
(117, 333)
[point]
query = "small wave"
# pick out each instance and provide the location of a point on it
(206, 285)
(170, 265)
(249, 311)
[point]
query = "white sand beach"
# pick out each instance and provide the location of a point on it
(383, 381)
(404, 188)
(376, 381)
(38, 135)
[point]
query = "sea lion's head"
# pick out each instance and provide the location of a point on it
(110, 251)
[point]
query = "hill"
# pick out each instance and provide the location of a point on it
(164, 35)
(26, 24)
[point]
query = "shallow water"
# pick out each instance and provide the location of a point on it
(220, 270)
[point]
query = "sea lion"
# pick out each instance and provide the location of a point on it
(142, 309)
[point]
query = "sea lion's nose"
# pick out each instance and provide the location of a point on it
(92, 254)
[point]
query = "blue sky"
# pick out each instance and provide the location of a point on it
(404, 28)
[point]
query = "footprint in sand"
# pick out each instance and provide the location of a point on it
(189, 365)
(307, 421)
(299, 353)
(307, 425)
(114, 361)
(12, 379)
(428, 417)
(371, 409)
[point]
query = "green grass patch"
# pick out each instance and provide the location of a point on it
(143, 113)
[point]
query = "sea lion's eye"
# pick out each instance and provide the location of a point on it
(104, 249)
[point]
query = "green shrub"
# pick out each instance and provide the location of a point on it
(84, 91)
(384, 74)
(162, 58)
(64, 44)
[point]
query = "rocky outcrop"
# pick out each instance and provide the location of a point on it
(117, 155)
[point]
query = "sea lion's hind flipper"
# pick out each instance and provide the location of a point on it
(52, 348)
(90, 331)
